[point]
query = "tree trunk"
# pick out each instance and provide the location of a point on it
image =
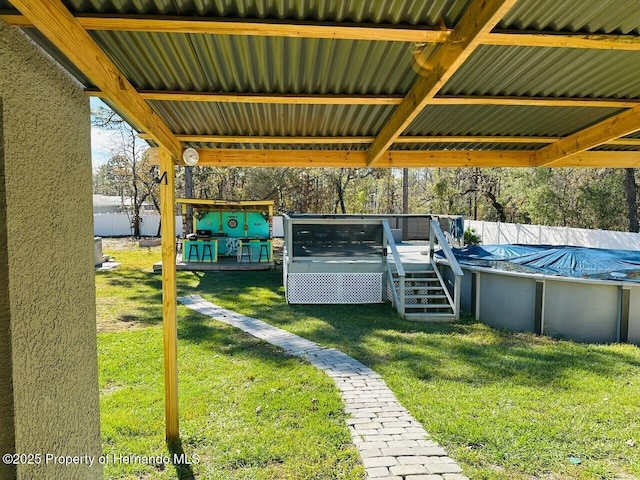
(499, 208)
(135, 223)
(630, 190)
(405, 190)
(187, 224)
(340, 199)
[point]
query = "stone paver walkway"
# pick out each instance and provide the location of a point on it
(392, 444)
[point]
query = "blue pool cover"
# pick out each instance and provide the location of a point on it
(569, 261)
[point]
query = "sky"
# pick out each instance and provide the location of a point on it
(101, 139)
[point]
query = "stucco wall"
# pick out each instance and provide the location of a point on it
(7, 443)
(51, 291)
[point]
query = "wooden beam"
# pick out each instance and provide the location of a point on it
(632, 142)
(282, 158)
(60, 27)
(358, 159)
(473, 139)
(271, 139)
(264, 28)
(292, 99)
(602, 132)
(401, 159)
(457, 159)
(300, 99)
(169, 295)
(563, 40)
(253, 139)
(534, 101)
(397, 33)
(16, 20)
(476, 22)
(600, 160)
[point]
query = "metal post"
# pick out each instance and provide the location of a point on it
(169, 297)
(478, 297)
(456, 296)
(402, 298)
(623, 327)
(432, 236)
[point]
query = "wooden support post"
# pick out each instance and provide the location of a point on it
(169, 301)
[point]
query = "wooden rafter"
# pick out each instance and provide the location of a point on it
(612, 128)
(267, 28)
(476, 22)
(534, 101)
(62, 29)
(293, 99)
(400, 159)
(401, 33)
(270, 139)
(316, 99)
(348, 140)
(284, 140)
(564, 40)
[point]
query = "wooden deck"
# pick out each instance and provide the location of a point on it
(410, 253)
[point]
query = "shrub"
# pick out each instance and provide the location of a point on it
(471, 237)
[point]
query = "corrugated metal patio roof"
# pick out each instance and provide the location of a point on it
(547, 72)
(231, 63)
(413, 12)
(588, 16)
(491, 92)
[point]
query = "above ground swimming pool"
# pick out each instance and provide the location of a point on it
(579, 293)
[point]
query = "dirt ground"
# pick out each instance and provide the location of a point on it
(121, 243)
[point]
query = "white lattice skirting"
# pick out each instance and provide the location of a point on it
(334, 288)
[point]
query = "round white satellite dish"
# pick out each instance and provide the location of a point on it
(190, 156)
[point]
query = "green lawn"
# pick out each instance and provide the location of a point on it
(247, 410)
(506, 406)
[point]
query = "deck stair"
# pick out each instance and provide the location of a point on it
(425, 297)
(419, 291)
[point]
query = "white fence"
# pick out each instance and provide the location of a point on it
(119, 225)
(497, 232)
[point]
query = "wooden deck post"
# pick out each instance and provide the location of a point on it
(169, 301)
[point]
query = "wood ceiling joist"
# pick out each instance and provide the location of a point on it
(255, 139)
(61, 28)
(612, 128)
(265, 28)
(401, 33)
(534, 101)
(349, 140)
(400, 159)
(251, 139)
(315, 99)
(476, 22)
(293, 99)
(564, 40)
